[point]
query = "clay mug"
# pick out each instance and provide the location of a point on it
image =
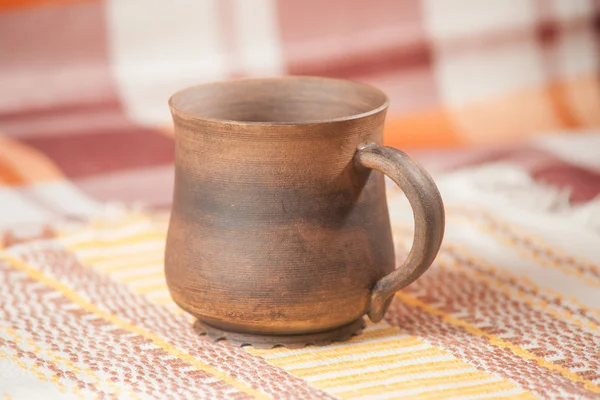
(279, 232)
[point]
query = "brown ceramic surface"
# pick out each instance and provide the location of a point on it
(279, 225)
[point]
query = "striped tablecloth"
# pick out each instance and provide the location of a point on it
(510, 308)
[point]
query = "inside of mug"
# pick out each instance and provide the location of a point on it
(289, 100)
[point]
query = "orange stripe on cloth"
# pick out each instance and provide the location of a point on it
(533, 111)
(559, 101)
(583, 95)
(428, 128)
(12, 4)
(515, 116)
(8, 173)
(166, 129)
(21, 164)
(511, 117)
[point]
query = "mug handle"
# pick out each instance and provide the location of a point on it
(429, 216)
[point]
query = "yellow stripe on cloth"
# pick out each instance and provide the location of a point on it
(379, 331)
(395, 367)
(143, 275)
(140, 238)
(156, 287)
(118, 253)
(468, 393)
(132, 263)
(115, 320)
(389, 337)
(377, 356)
(459, 384)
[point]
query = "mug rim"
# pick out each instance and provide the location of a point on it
(178, 112)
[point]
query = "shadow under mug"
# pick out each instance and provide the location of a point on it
(279, 232)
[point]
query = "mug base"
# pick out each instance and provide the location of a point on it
(290, 341)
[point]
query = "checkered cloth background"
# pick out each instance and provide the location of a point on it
(500, 100)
